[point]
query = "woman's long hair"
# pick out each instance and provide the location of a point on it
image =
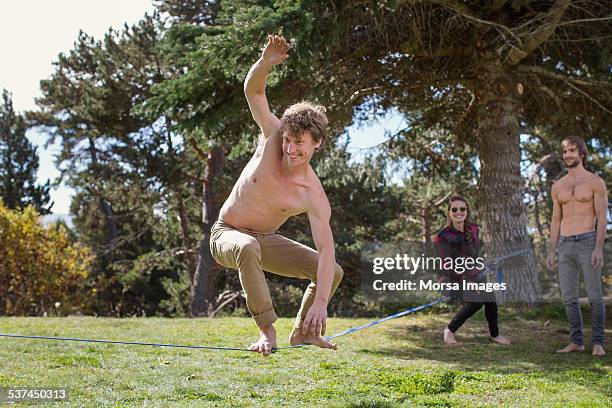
(467, 226)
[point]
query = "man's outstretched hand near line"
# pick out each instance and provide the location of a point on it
(275, 51)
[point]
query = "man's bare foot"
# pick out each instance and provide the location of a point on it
(598, 350)
(297, 337)
(501, 340)
(449, 337)
(266, 342)
(571, 348)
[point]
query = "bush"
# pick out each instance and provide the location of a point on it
(41, 270)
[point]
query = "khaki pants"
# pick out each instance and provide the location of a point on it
(252, 253)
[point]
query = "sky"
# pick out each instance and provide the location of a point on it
(34, 32)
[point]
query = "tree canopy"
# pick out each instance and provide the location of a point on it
(155, 128)
(19, 163)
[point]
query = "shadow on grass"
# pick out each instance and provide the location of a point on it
(532, 351)
(533, 346)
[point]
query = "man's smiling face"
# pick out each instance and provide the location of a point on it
(571, 154)
(298, 149)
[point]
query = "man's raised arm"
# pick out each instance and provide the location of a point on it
(274, 53)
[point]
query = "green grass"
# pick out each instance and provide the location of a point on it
(399, 363)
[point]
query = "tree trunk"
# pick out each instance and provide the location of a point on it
(187, 243)
(202, 290)
(536, 208)
(182, 212)
(426, 216)
(111, 224)
(502, 212)
(105, 207)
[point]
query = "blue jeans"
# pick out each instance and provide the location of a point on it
(574, 256)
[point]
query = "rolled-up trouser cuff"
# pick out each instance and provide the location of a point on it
(265, 318)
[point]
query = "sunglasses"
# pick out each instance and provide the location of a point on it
(461, 209)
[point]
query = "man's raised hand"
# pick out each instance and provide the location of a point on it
(276, 50)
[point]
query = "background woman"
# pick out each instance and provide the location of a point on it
(459, 238)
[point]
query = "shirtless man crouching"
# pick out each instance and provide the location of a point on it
(277, 183)
(580, 213)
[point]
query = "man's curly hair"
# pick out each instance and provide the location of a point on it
(304, 116)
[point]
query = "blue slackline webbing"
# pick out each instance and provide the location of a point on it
(393, 316)
(495, 265)
(510, 255)
(375, 322)
(131, 343)
(348, 331)
(136, 343)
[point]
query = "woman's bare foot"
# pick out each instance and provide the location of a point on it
(449, 337)
(571, 348)
(297, 337)
(266, 342)
(598, 350)
(501, 340)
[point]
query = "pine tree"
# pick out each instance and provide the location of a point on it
(19, 163)
(132, 177)
(482, 72)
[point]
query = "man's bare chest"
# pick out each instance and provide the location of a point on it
(575, 191)
(264, 185)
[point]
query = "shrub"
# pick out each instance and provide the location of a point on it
(41, 269)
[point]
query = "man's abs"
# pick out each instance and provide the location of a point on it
(578, 218)
(245, 215)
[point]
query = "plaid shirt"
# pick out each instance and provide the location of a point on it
(450, 243)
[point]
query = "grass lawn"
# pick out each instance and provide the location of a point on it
(398, 363)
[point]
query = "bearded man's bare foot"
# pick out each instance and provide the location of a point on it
(598, 350)
(297, 337)
(501, 340)
(266, 342)
(449, 337)
(571, 348)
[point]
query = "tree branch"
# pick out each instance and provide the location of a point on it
(576, 40)
(535, 70)
(585, 20)
(439, 52)
(551, 94)
(595, 101)
(461, 9)
(197, 149)
(548, 27)
(441, 200)
(536, 170)
(364, 91)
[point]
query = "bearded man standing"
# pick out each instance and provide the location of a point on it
(579, 220)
